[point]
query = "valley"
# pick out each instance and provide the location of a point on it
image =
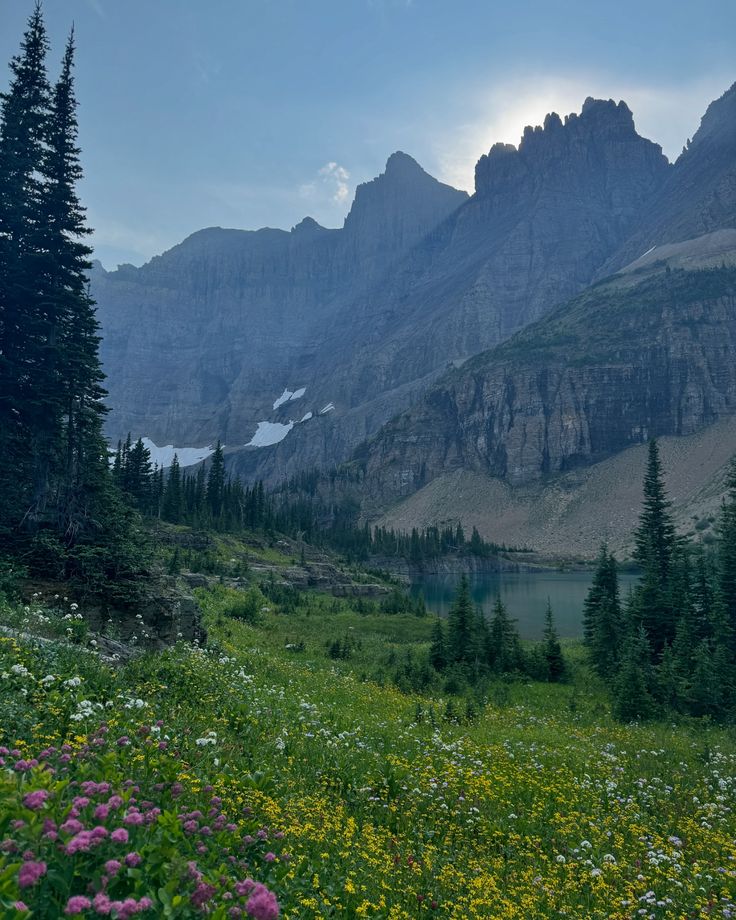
(376, 570)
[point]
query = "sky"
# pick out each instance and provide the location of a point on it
(253, 113)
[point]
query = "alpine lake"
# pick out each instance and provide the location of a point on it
(525, 595)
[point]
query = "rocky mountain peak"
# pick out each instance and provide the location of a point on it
(402, 185)
(396, 209)
(603, 126)
(307, 227)
(400, 166)
(718, 124)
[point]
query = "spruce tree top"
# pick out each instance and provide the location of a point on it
(655, 535)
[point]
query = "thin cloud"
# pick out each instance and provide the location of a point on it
(331, 183)
(667, 115)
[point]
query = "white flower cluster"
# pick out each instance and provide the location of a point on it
(85, 709)
(209, 738)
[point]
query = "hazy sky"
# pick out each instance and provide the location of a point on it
(251, 113)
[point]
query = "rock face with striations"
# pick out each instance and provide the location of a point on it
(646, 354)
(543, 220)
(198, 343)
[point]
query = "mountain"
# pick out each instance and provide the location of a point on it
(536, 441)
(293, 348)
(198, 343)
(698, 195)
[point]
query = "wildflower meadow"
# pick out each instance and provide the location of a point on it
(247, 780)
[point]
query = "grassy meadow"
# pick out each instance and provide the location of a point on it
(263, 760)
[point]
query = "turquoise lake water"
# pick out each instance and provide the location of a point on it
(525, 595)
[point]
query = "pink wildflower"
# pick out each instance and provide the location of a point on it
(80, 843)
(76, 905)
(30, 872)
(262, 904)
(119, 835)
(202, 894)
(113, 866)
(35, 800)
(102, 904)
(133, 859)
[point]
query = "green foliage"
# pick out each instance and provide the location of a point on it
(247, 605)
(551, 649)
(61, 515)
(672, 650)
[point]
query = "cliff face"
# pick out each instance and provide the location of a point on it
(543, 219)
(199, 343)
(642, 355)
(698, 195)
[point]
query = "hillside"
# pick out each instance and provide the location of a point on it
(567, 516)
(268, 777)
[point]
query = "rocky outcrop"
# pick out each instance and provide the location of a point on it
(637, 357)
(323, 577)
(163, 616)
(542, 222)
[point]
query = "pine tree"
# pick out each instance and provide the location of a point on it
(727, 560)
(632, 690)
(655, 535)
(504, 645)
(138, 476)
(460, 624)
(173, 498)
(438, 657)
(655, 549)
(552, 650)
(68, 257)
(216, 483)
(24, 114)
(602, 616)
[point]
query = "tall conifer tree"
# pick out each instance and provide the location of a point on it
(24, 113)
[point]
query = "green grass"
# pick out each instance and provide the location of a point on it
(540, 807)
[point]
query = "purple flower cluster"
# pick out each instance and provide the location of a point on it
(30, 872)
(71, 819)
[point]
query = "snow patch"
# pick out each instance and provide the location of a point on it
(646, 253)
(269, 433)
(305, 418)
(328, 408)
(289, 395)
(187, 456)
